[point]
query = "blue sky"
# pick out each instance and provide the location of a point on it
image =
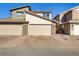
(55, 8)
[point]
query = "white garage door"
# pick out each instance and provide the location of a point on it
(39, 30)
(76, 29)
(10, 29)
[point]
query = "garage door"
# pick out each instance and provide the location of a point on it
(39, 30)
(76, 29)
(10, 29)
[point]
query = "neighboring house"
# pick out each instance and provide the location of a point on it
(24, 21)
(69, 21)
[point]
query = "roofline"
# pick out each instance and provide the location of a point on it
(31, 13)
(20, 8)
(56, 16)
(71, 9)
(70, 22)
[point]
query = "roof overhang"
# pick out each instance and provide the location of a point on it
(70, 22)
(12, 22)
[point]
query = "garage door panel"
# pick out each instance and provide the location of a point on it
(10, 29)
(39, 30)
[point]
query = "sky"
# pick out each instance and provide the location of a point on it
(55, 8)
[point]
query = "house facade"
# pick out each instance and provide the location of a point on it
(69, 21)
(24, 21)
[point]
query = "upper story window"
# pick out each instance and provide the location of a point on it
(19, 13)
(46, 15)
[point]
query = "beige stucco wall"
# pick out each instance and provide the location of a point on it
(14, 16)
(36, 20)
(10, 29)
(39, 30)
(75, 15)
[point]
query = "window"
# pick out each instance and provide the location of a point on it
(46, 15)
(19, 13)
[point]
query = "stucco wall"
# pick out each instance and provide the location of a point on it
(36, 20)
(76, 15)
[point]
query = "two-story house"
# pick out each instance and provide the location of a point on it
(69, 21)
(24, 21)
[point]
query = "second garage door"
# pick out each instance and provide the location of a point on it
(39, 30)
(10, 29)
